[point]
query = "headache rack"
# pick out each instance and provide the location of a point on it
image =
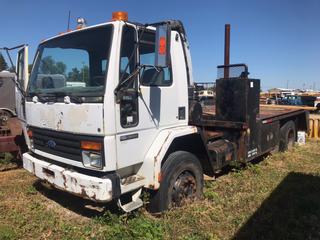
(239, 70)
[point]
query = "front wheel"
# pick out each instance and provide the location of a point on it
(182, 180)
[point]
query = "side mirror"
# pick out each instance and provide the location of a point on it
(163, 37)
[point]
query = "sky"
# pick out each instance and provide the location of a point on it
(278, 39)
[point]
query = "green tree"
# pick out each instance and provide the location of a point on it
(84, 74)
(47, 65)
(50, 66)
(60, 68)
(3, 63)
(74, 75)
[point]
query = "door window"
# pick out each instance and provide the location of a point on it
(151, 76)
(129, 100)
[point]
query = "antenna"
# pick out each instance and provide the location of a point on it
(68, 27)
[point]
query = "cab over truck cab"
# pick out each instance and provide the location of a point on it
(110, 111)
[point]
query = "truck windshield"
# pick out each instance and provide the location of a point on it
(74, 64)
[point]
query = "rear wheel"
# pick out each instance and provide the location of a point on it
(182, 180)
(287, 136)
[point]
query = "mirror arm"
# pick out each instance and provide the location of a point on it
(119, 86)
(21, 89)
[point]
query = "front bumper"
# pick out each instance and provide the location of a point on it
(90, 187)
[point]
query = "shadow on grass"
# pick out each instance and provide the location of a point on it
(292, 211)
(81, 206)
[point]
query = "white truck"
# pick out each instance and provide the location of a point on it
(133, 124)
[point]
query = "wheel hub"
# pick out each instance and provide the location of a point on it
(183, 188)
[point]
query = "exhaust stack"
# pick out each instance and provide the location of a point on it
(226, 50)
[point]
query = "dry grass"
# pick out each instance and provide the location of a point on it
(277, 198)
(7, 162)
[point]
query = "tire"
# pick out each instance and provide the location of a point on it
(288, 136)
(182, 179)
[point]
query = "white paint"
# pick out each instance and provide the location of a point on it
(79, 184)
(157, 128)
(78, 118)
(158, 110)
(301, 138)
(155, 155)
(252, 152)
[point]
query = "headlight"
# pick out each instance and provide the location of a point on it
(92, 159)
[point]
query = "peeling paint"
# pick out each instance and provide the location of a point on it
(82, 118)
(93, 188)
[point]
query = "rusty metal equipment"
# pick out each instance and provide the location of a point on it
(10, 126)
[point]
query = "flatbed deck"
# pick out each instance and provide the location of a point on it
(266, 112)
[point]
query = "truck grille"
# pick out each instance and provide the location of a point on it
(66, 145)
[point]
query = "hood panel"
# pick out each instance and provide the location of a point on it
(78, 118)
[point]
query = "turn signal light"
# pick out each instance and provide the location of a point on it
(88, 145)
(121, 16)
(162, 46)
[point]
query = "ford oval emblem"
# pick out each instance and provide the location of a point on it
(51, 144)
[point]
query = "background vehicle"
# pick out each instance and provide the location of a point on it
(299, 100)
(11, 135)
(136, 122)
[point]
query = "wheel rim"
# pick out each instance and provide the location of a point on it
(183, 188)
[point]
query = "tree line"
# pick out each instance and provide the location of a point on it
(49, 66)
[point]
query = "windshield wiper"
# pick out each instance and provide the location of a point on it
(53, 97)
(73, 98)
(43, 97)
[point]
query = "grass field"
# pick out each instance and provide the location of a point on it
(277, 198)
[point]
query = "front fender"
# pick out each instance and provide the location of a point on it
(152, 163)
